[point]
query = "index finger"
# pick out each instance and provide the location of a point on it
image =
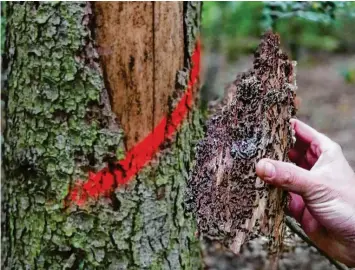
(309, 135)
(304, 132)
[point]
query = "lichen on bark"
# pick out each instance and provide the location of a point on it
(59, 127)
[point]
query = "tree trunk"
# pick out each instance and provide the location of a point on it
(98, 149)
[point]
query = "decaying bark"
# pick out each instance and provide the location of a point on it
(232, 205)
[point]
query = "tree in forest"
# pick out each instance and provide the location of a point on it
(100, 135)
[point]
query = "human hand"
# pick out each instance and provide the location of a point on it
(322, 189)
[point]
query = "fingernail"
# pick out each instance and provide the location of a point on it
(269, 170)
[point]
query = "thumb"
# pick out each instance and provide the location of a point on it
(286, 175)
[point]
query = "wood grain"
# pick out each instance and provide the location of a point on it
(168, 53)
(141, 49)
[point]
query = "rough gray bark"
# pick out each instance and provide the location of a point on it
(59, 127)
(232, 205)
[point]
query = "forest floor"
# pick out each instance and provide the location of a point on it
(327, 104)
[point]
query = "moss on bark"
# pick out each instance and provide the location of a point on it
(60, 126)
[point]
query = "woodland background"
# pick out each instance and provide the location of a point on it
(318, 35)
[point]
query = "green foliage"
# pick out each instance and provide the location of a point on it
(234, 28)
(323, 12)
(316, 26)
(348, 74)
(231, 27)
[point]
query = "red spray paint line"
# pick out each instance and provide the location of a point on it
(139, 155)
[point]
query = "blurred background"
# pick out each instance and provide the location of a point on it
(320, 36)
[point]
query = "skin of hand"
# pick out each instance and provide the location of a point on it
(322, 189)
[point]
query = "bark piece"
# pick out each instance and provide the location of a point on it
(232, 205)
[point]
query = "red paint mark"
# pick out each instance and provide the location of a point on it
(139, 155)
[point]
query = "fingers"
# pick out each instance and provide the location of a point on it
(286, 176)
(310, 136)
(309, 146)
(309, 224)
(311, 157)
(296, 206)
(304, 132)
(300, 158)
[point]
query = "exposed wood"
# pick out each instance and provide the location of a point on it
(168, 53)
(124, 35)
(141, 47)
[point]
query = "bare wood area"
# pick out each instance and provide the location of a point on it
(141, 50)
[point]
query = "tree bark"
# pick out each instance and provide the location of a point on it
(62, 103)
(232, 205)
